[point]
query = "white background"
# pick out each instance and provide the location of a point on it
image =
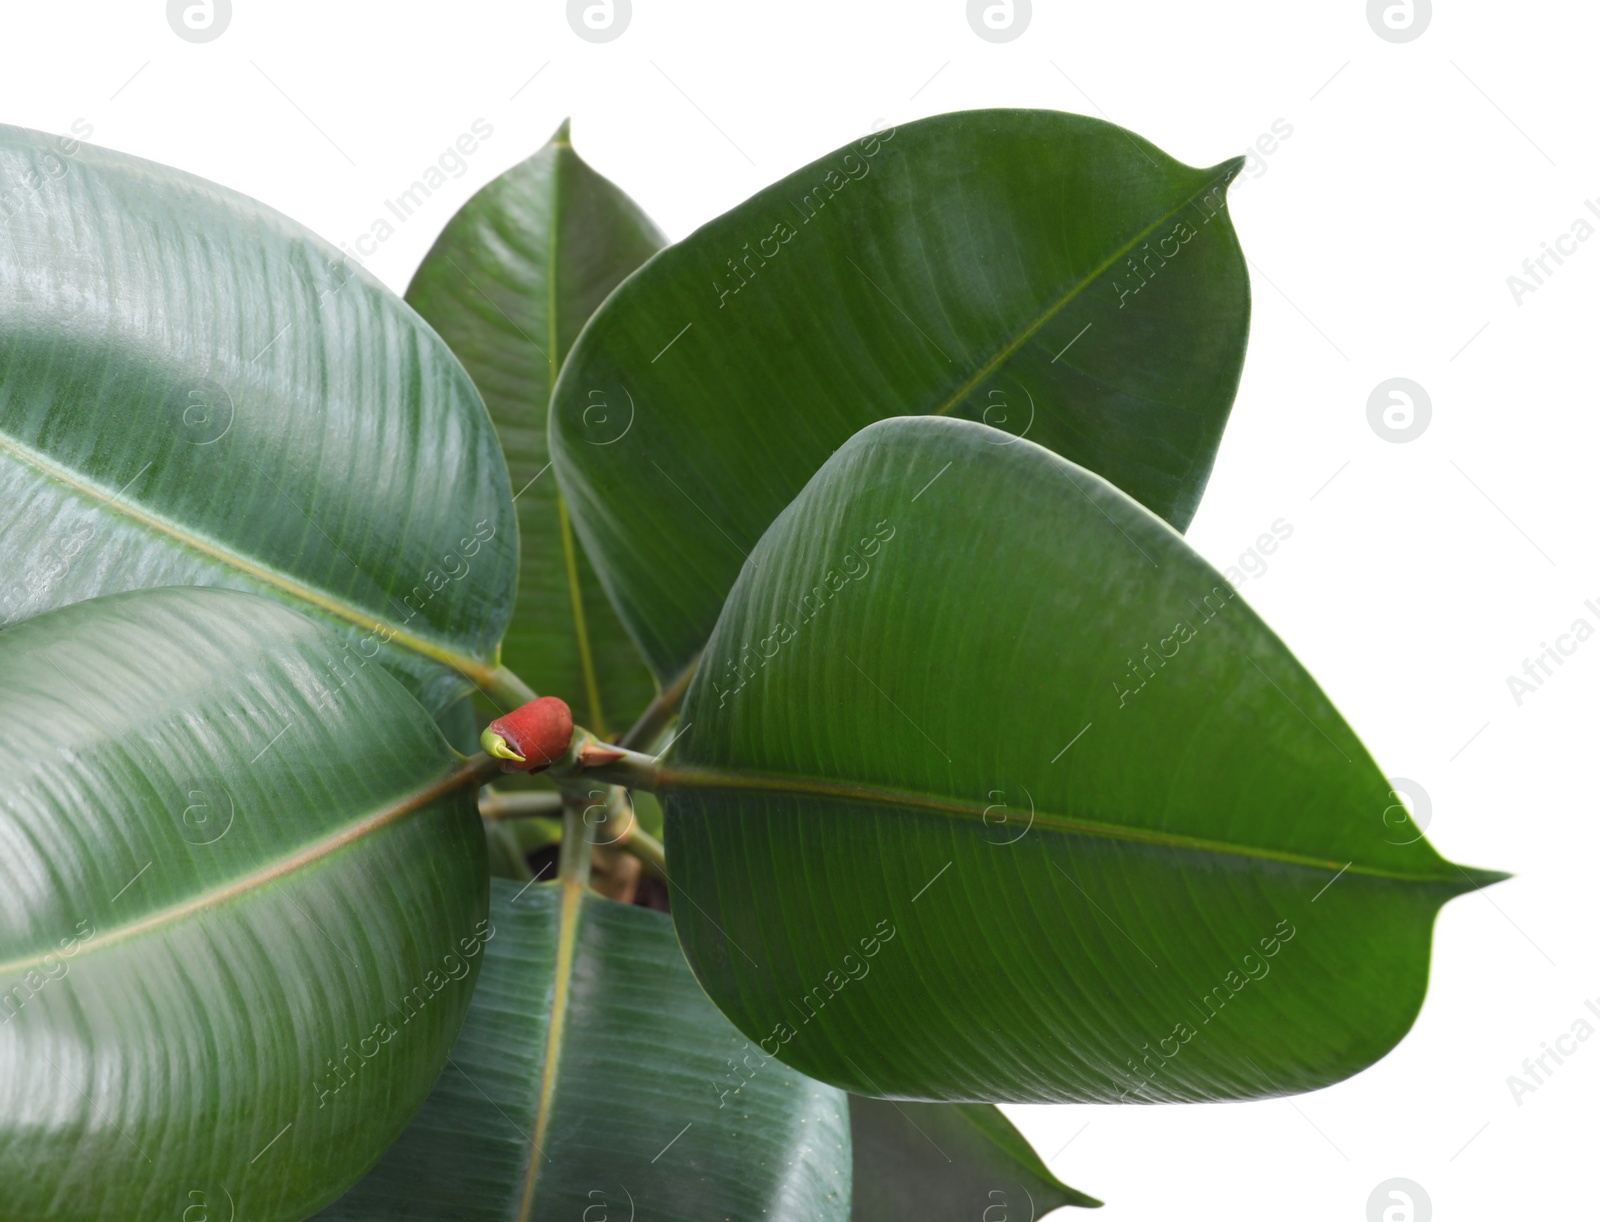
(1381, 232)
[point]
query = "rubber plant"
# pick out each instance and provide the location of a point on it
(964, 778)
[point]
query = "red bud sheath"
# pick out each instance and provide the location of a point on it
(532, 737)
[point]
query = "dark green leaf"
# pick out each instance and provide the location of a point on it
(194, 390)
(992, 789)
(947, 1162)
(239, 883)
(593, 1079)
(1045, 272)
(510, 282)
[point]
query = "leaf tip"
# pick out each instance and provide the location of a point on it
(1064, 1195)
(1228, 170)
(1480, 879)
(563, 136)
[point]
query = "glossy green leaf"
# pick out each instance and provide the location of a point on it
(947, 1162)
(593, 1079)
(510, 282)
(237, 895)
(992, 789)
(1045, 272)
(194, 390)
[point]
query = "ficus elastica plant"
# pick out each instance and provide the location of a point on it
(643, 729)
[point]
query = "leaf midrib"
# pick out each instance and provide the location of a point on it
(470, 667)
(280, 868)
(696, 778)
(555, 1032)
(569, 550)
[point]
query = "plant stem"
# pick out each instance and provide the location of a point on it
(632, 839)
(589, 759)
(505, 688)
(645, 847)
(662, 709)
(483, 767)
(498, 807)
(520, 804)
(631, 770)
(577, 850)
